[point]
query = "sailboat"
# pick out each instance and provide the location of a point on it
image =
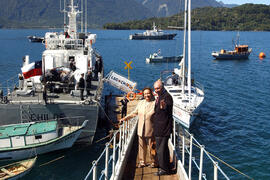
(187, 94)
(48, 88)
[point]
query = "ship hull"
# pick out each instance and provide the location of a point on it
(75, 113)
(164, 59)
(157, 37)
(230, 56)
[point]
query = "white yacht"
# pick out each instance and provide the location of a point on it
(154, 34)
(187, 94)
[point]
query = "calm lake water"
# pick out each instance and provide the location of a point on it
(235, 118)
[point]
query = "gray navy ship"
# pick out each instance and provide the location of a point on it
(59, 85)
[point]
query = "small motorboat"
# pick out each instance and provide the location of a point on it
(17, 170)
(35, 38)
(17, 141)
(239, 52)
(156, 57)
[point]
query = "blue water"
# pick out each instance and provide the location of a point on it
(235, 119)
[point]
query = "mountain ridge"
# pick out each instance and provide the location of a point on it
(46, 13)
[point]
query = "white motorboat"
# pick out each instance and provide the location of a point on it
(156, 57)
(154, 34)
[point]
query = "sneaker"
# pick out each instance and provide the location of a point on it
(161, 173)
(153, 165)
(141, 165)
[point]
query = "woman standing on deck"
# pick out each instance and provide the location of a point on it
(145, 110)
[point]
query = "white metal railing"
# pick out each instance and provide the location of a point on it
(55, 43)
(113, 157)
(184, 144)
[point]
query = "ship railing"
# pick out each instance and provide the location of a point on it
(111, 160)
(189, 152)
(100, 82)
(55, 43)
(7, 87)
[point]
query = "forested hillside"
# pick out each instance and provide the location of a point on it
(247, 17)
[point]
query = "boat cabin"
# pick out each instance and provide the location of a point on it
(241, 48)
(18, 135)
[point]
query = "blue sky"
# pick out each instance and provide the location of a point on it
(246, 1)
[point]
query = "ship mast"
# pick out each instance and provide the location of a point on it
(72, 26)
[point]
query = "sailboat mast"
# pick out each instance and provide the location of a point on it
(189, 49)
(85, 17)
(81, 15)
(183, 62)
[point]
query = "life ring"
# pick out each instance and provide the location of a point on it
(131, 95)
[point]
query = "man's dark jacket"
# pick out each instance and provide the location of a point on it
(81, 83)
(163, 119)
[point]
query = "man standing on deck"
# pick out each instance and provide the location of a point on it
(81, 86)
(163, 124)
(88, 82)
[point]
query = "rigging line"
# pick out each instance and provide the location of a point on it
(56, 159)
(110, 120)
(224, 162)
(101, 139)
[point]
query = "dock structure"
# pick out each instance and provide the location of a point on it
(189, 157)
(132, 171)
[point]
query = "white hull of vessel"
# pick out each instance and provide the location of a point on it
(183, 111)
(49, 146)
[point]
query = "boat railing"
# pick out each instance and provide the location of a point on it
(192, 156)
(7, 87)
(55, 43)
(111, 159)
